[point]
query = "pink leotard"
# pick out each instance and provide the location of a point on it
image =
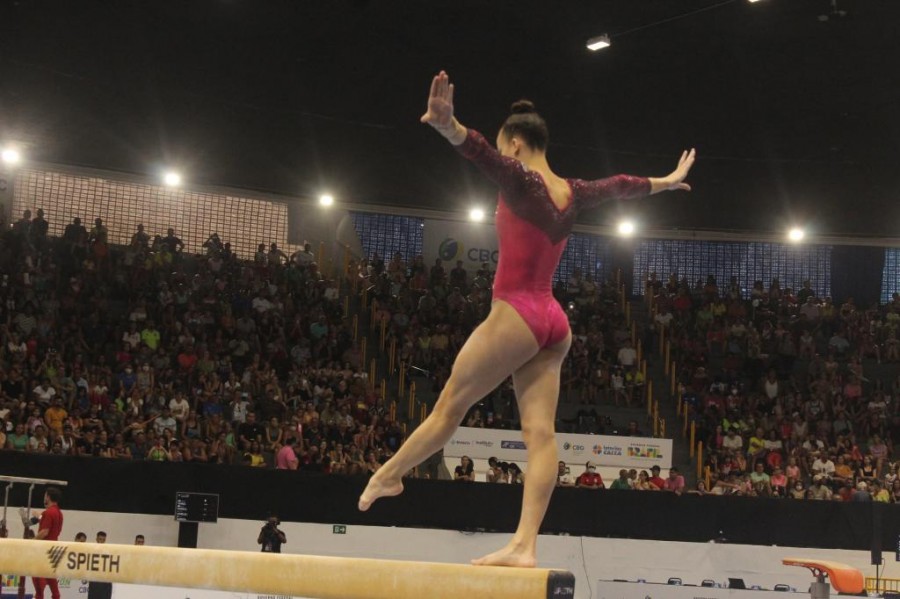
(532, 232)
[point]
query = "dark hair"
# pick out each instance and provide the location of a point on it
(524, 122)
(53, 494)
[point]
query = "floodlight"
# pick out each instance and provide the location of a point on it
(796, 234)
(326, 200)
(172, 179)
(10, 156)
(626, 228)
(476, 215)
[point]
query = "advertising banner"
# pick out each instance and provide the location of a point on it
(639, 590)
(473, 243)
(68, 588)
(603, 450)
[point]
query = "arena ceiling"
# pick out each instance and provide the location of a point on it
(795, 119)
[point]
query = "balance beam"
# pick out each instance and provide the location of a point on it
(278, 574)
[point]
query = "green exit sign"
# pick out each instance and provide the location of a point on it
(339, 529)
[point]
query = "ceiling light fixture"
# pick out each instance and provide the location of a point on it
(598, 42)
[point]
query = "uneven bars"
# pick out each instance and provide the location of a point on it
(279, 574)
(32, 481)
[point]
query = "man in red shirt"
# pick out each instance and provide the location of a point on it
(48, 530)
(655, 479)
(590, 478)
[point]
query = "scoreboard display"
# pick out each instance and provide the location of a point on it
(196, 507)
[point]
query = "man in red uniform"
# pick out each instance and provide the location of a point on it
(48, 530)
(590, 478)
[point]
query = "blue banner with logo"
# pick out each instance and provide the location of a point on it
(471, 243)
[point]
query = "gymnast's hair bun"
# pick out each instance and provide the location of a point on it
(523, 107)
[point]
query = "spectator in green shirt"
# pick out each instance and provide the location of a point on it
(759, 475)
(621, 482)
(150, 336)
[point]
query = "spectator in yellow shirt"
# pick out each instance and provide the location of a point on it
(879, 493)
(55, 415)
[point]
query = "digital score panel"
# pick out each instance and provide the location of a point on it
(196, 507)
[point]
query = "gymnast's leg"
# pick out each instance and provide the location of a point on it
(496, 349)
(537, 393)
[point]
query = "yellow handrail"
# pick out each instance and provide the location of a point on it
(693, 437)
(882, 585)
(699, 459)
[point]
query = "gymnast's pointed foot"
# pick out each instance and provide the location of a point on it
(513, 555)
(379, 486)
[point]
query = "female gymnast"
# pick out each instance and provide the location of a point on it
(526, 334)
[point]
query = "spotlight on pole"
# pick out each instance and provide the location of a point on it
(626, 228)
(326, 200)
(10, 156)
(476, 215)
(598, 42)
(172, 179)
(796, 234)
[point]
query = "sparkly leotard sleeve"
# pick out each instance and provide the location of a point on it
(532, 232)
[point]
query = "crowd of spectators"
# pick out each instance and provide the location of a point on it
(792, 395)
(147, 352)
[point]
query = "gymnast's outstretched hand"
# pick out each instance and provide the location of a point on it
(681, 171)
(440, 103)
(675, 179)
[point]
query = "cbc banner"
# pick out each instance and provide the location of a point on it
(603, 450)
(473, 243)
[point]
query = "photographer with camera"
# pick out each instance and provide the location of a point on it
(270, 537)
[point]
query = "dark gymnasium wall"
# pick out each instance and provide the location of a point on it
(97, 484)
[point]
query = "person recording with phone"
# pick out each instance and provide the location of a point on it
(270, 537)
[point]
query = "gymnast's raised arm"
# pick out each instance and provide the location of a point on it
(507, 172)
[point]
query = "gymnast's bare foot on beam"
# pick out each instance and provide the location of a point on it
(513, 555)
(379, 486)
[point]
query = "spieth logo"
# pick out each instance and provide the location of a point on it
(78, 560)
(55, 555)
(485, 443)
